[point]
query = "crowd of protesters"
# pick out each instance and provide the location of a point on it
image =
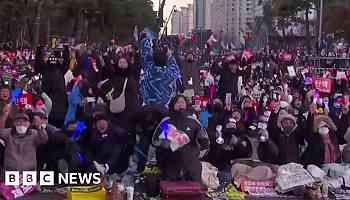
(117, 109)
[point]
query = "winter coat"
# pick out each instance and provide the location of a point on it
(56, 148)
(191, 70)
(281, 148)
(110, 149)
(187, 157)
(314, 153)
(53, 84)
(342, 122)
(132, 103)
(20, 150)
(228, 84)
(221, 155)
(159, 83)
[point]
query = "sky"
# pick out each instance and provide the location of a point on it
(169, 5)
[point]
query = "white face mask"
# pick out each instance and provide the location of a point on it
(323, 130)
(44, 126)
(21, 129)
(138, 139)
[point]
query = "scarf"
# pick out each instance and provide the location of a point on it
(329, 150)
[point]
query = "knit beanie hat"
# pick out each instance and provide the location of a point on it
(41, 111)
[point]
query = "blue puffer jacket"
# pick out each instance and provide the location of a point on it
(158, 85)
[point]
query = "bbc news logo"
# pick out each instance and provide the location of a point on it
(47, 178)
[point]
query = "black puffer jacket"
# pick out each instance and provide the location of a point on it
(185, 158)
(228, 84)
(282, 148)
(109, 149)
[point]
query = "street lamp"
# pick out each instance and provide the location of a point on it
(320, 27)
(165, 30)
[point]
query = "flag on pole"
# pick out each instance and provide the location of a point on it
(232, 46)
(211, 41)
(136, 33)
(193, 40)
(247, 54)
(181, 38)
(241, 38)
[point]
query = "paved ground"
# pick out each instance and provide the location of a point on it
(42, 196)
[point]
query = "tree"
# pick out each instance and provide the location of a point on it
(332, 24)
(287, 10)
(161, 14)
(81, 19)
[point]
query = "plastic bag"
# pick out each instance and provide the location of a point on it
(292, 176)
(209, 176)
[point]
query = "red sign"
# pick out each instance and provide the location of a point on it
(323, 85)
(247, 54)
(287, 57)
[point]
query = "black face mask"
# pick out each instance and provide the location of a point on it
(287, 131)
(217, 108)
(181, 114)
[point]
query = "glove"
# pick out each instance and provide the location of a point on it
(103, 169)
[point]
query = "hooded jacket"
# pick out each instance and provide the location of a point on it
(159, 83)
(314, 153)
(282, 148)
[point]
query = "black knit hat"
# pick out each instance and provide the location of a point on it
(99, 117)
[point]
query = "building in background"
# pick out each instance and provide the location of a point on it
(199, 13)
(207, 14)
(218, 16)
(176, 22)
(190, 17)
(182, 20)
(236, 18)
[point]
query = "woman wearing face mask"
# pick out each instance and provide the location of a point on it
(236, 143)
(248, 112)
(124, 80)
(21, 144)
(182, 158)
(298, 110)
(322, 144)
(282, 145)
